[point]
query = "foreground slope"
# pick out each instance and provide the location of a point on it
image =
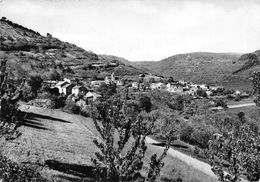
(62, 144)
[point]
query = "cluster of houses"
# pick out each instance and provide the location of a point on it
(68, 87)
(184, 87)
(142, 83)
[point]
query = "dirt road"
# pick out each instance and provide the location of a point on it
(199, 165)
(241, 105)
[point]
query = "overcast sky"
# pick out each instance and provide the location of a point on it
(141, 30)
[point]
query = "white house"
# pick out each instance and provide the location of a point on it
(135, 85)
(79, 89)
(61, 84)
(66, 89)
(209, 93)
(92, 96)
(97, 83)
(67, 80)
(159, 85)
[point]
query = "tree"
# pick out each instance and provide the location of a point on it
(170, 80)
(201, 93)
(113, 163)
(35, 82)
(107, 90)
(256, 87)
(240, 149)
(10, 115)
(53, 75)
(145, 103)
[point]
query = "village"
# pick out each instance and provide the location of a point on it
(86, 92)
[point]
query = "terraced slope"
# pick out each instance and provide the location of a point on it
(32, 52)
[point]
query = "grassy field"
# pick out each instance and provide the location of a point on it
(61, 144)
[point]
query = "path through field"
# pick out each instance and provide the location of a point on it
(199, 165)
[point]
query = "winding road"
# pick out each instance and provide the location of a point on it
(199, 165)
(241, 105)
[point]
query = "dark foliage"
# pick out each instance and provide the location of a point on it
(107, 90)
(71, 107)
(35, 82)
(10, 115)
(13, 172)
(201, 93)
(145, 103)
(115, 117)
(240, 149)
(256, 87)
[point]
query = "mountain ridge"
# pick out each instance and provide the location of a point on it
(35, 53)
(203, 67)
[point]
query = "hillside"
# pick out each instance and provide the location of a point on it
(249, 61)
(202, 67)
(31, 52)
(62, 145)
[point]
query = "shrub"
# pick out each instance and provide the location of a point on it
(201, 135)
(85, 112)
(201, 93)
(72, 107)
(107, 90)
(221, 103)
(35, 82)
(145, 103)
(185, 132)
(53, 75)
(237, 98)
(56, 102)
(11, 171)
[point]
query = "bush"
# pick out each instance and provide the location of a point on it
(220, 103)
(237, 98)
(185, 132)
(201, 93)
(11, 171)
(85, 112)
(35, 82)
(72, 107)
(56, 102)
(201, 135)
(107, 90)
(53, 75)
(145, 103)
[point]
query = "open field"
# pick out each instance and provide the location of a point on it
(61, 144)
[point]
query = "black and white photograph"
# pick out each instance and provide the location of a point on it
(129, 90)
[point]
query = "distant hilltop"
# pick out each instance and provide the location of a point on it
(231, 70)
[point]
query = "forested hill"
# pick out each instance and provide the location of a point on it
(205, 67)
(29, 53)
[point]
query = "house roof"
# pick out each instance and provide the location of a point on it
(61, 83)
(97, 82)
(92, 94)
(67, 85)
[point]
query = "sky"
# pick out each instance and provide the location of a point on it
(143, 30)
